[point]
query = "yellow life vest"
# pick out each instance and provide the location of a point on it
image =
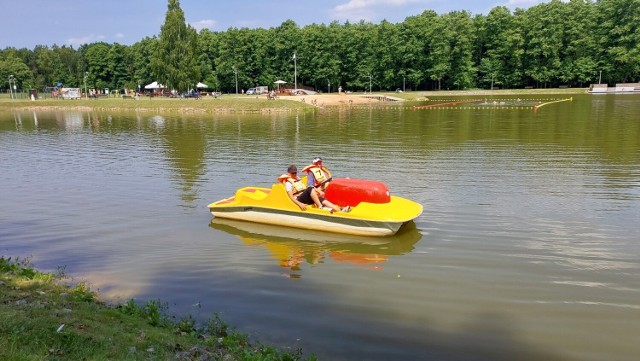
(318, 173)
(297, 184)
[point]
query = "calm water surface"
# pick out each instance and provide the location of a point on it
(528, 248)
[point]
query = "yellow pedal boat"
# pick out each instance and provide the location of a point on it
(373, 213)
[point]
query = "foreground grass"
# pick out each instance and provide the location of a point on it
(43, 319)
(226, 103)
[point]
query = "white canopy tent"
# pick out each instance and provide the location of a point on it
(201, 85)
(154, 85)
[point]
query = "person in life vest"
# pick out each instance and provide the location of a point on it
(318, 177)
(302, 195)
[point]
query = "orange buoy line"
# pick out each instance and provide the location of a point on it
(447, 103)
(495, 104)
(535, 108)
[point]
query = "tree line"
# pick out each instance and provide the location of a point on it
(551, 44)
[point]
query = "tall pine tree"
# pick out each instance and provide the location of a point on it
(175, 60)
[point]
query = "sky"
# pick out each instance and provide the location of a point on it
(27, 23)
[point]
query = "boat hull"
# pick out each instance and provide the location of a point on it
(313, 221)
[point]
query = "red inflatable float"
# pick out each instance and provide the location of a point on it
(350, 192)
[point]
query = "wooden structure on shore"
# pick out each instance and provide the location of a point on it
(619, 88)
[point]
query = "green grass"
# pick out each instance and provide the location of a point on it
(44, 319)
(226, 103)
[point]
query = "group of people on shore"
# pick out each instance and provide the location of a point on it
(313, 192)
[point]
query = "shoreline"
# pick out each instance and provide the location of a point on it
(259, 104)
(47, 316)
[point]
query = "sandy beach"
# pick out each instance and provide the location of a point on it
(336, 99)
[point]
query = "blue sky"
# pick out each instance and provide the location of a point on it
(27, 23)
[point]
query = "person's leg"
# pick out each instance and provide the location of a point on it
(309, 196)
(314, 196)
(334, 208)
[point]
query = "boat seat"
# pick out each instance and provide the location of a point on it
(254, 193)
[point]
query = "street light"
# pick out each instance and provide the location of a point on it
(295, 72)
(369, 83)
(11, 79)
(403, 84)
(328, 86)
(86, 95)
(235, 71)
(600, 78)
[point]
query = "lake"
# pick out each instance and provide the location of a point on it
(528, 247)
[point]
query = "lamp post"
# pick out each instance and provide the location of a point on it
(235, 71)
(86, 95)
(491, 81)
(369, 83)
(295, 72)
(11, 80)
(403, 84)
(328, 86)
(600, 78)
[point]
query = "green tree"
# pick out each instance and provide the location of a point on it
(208, 43)
(439, 52)
(323, 63)
(502, 48)
(359, 56)
(175, 62)
(96, 56)
(461, 46)
(141, 52)
(544, 39)
(388, 44)
(22, 75)
(43, 66)
(620, 39)
(580, 49)
(287, 40)
(416, 34)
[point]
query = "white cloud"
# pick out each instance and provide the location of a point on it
(119, 36)
(85, 39)
(356, 10)
(204, 24)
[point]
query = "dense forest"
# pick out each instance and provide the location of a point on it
(552, 44)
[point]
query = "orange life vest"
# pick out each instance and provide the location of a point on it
(297, 184)
(318, 173)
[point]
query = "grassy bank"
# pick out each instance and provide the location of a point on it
(44, 319)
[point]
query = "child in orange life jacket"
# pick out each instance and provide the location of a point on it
(300, 194)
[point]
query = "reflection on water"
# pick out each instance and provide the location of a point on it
(292, 248)
(527, 248)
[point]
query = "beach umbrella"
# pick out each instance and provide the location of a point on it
(279, 82)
